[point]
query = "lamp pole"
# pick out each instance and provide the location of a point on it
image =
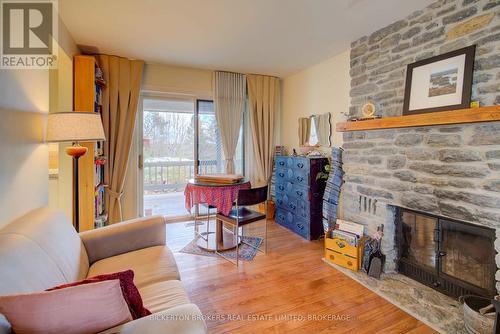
(76, 151)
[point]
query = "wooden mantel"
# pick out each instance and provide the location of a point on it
(472, 115)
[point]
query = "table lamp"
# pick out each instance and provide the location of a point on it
(75, 127)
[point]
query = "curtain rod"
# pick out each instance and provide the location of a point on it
(264, 75)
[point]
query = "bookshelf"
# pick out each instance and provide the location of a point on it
(88, 85)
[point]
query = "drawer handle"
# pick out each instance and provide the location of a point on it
(281, 174)
(300, 193)
(300, 165)
(281, 163)
(300, 226)
(292, 206)
(281, 188)
(300, 179)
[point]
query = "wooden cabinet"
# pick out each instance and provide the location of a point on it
(86, 99)
(299, 196)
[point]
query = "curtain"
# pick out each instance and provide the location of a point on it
(304, 130)
(229, 104)
(119, 109)
(263, 95)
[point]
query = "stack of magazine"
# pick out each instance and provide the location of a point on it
(332, 190)
(349, 232)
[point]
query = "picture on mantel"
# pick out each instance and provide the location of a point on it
(440, 83)
(443, 82)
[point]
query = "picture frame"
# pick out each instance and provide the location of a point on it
(440, 83)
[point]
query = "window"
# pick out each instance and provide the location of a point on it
(210, 153)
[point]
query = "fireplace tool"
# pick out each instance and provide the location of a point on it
(376, 259)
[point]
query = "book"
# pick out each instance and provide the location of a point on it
(219, 178)
(350, 238)
(349, 227)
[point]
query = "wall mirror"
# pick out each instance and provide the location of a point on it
(315, 130)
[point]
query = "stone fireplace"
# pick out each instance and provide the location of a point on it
(451, 172)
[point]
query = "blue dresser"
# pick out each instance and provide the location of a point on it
(299, 196)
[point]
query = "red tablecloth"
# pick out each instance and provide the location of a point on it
(222, 197)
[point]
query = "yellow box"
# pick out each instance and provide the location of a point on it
(338, 251)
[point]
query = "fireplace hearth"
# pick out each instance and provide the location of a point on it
(453, 257)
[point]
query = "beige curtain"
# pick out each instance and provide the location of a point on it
(119, 108)
(263, 94)
(229, 104)
(304, 130)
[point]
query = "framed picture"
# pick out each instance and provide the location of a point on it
(440, 83)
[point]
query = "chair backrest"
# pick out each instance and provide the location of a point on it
(252, 196)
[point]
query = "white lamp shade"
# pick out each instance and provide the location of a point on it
(74, 126)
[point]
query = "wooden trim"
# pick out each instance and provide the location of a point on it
(471, 115)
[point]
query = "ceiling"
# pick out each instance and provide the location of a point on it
(275, 37)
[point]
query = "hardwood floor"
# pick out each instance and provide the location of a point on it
(289, 290)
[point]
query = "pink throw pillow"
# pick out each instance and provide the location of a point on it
(129, 290)
(82, 309)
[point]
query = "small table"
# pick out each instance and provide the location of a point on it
(221, 196)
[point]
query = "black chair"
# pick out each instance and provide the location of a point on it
(240, 216)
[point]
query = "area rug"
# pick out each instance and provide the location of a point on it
(246, 253)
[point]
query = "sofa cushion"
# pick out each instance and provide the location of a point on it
(150, 265)
(182, 319)
(25, 267)
(52, 233)
(161, 296)
(81, 309)
(130, 292)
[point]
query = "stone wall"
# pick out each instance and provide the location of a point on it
(453, 171)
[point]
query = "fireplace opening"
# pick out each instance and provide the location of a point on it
(453, 257)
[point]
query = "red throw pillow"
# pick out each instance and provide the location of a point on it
(130, 292)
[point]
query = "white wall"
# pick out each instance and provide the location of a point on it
(319, 89)
(26, 97)
(24, 104)
(61, 99)
(174, 79)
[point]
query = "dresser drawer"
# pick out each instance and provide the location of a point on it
(280, 162)
(284, 218)
(299, 192)
(280, 187)
(285, 188)
(280, 216)
(301, 227)
(300, 178)
(289, 203)
(303, 210)
(301, 164)
(281, 175)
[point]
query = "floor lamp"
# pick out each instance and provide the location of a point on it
(75, 127)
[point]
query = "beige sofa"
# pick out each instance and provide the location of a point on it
(42, 249)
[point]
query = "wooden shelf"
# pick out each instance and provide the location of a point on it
(472, 115)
